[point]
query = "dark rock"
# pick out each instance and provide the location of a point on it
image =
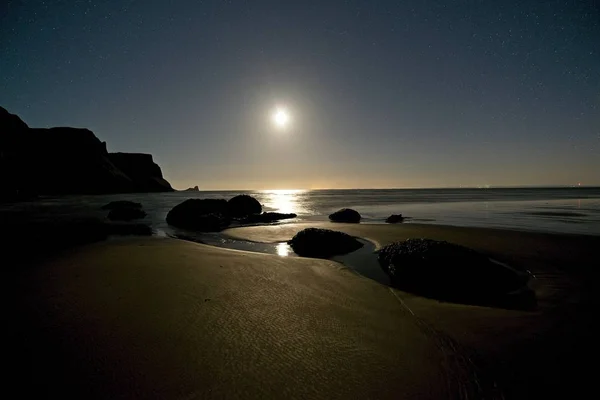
(394, 219)
(11, 122)
(192, 189)
(52, 236)
(345, 215)
(446, 271)
(125, 214)
(323, 243)
(200, 214)
(60, 161)
(243, 205)
(267, 217)
(121, 204)
(145, 174)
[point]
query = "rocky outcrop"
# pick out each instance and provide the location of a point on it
(192, 189)
(65, 161)
(193, 214)
(267, 217)
(323, 243)
(11, 122)
(243, 205)
(446, 271)
(145, 174)
(394, 219)
(200, 214)
(345, 215)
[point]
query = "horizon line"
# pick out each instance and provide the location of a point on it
(410, 188)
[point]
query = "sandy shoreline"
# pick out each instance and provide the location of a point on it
(164, 318)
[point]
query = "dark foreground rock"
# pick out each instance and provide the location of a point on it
(267, 217)
(121, 204)
(27, 241)
(243, 205)
(447, 271)
(125, 214)
(345, 215)
(323, 243)
(200, 214)
(394, 219)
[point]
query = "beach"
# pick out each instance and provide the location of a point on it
(166, 318)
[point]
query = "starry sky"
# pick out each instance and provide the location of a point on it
(380, 93)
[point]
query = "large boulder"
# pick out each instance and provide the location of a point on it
(121, 204)
(267, 217)
(323, 243)
(200, 214)
(394, 219)
(126, 214)
(345, 215)
(446, 271)
(243, 205)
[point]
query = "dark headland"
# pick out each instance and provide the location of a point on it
(64, 160)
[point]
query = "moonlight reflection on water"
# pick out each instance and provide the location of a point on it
(285, 201)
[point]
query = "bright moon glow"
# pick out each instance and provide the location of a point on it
(281, 118)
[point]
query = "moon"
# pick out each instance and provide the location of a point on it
(281, 117)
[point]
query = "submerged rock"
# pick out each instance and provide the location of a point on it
(394, 219)
(125, 214)
(200, 214)
(446, 271)
(323, 243)
(121, 204)
(243, 205)
(267, 217)
(345, 215)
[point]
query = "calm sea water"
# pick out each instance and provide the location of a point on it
(561, 210)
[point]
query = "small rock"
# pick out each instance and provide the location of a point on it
(345, 215)
(323, 243)
(394, 219)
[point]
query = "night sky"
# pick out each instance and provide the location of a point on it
(379, 93)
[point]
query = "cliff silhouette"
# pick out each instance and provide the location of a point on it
(63, 160)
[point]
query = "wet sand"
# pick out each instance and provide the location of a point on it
(165, 318)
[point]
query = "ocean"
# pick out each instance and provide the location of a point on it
(559, 210)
